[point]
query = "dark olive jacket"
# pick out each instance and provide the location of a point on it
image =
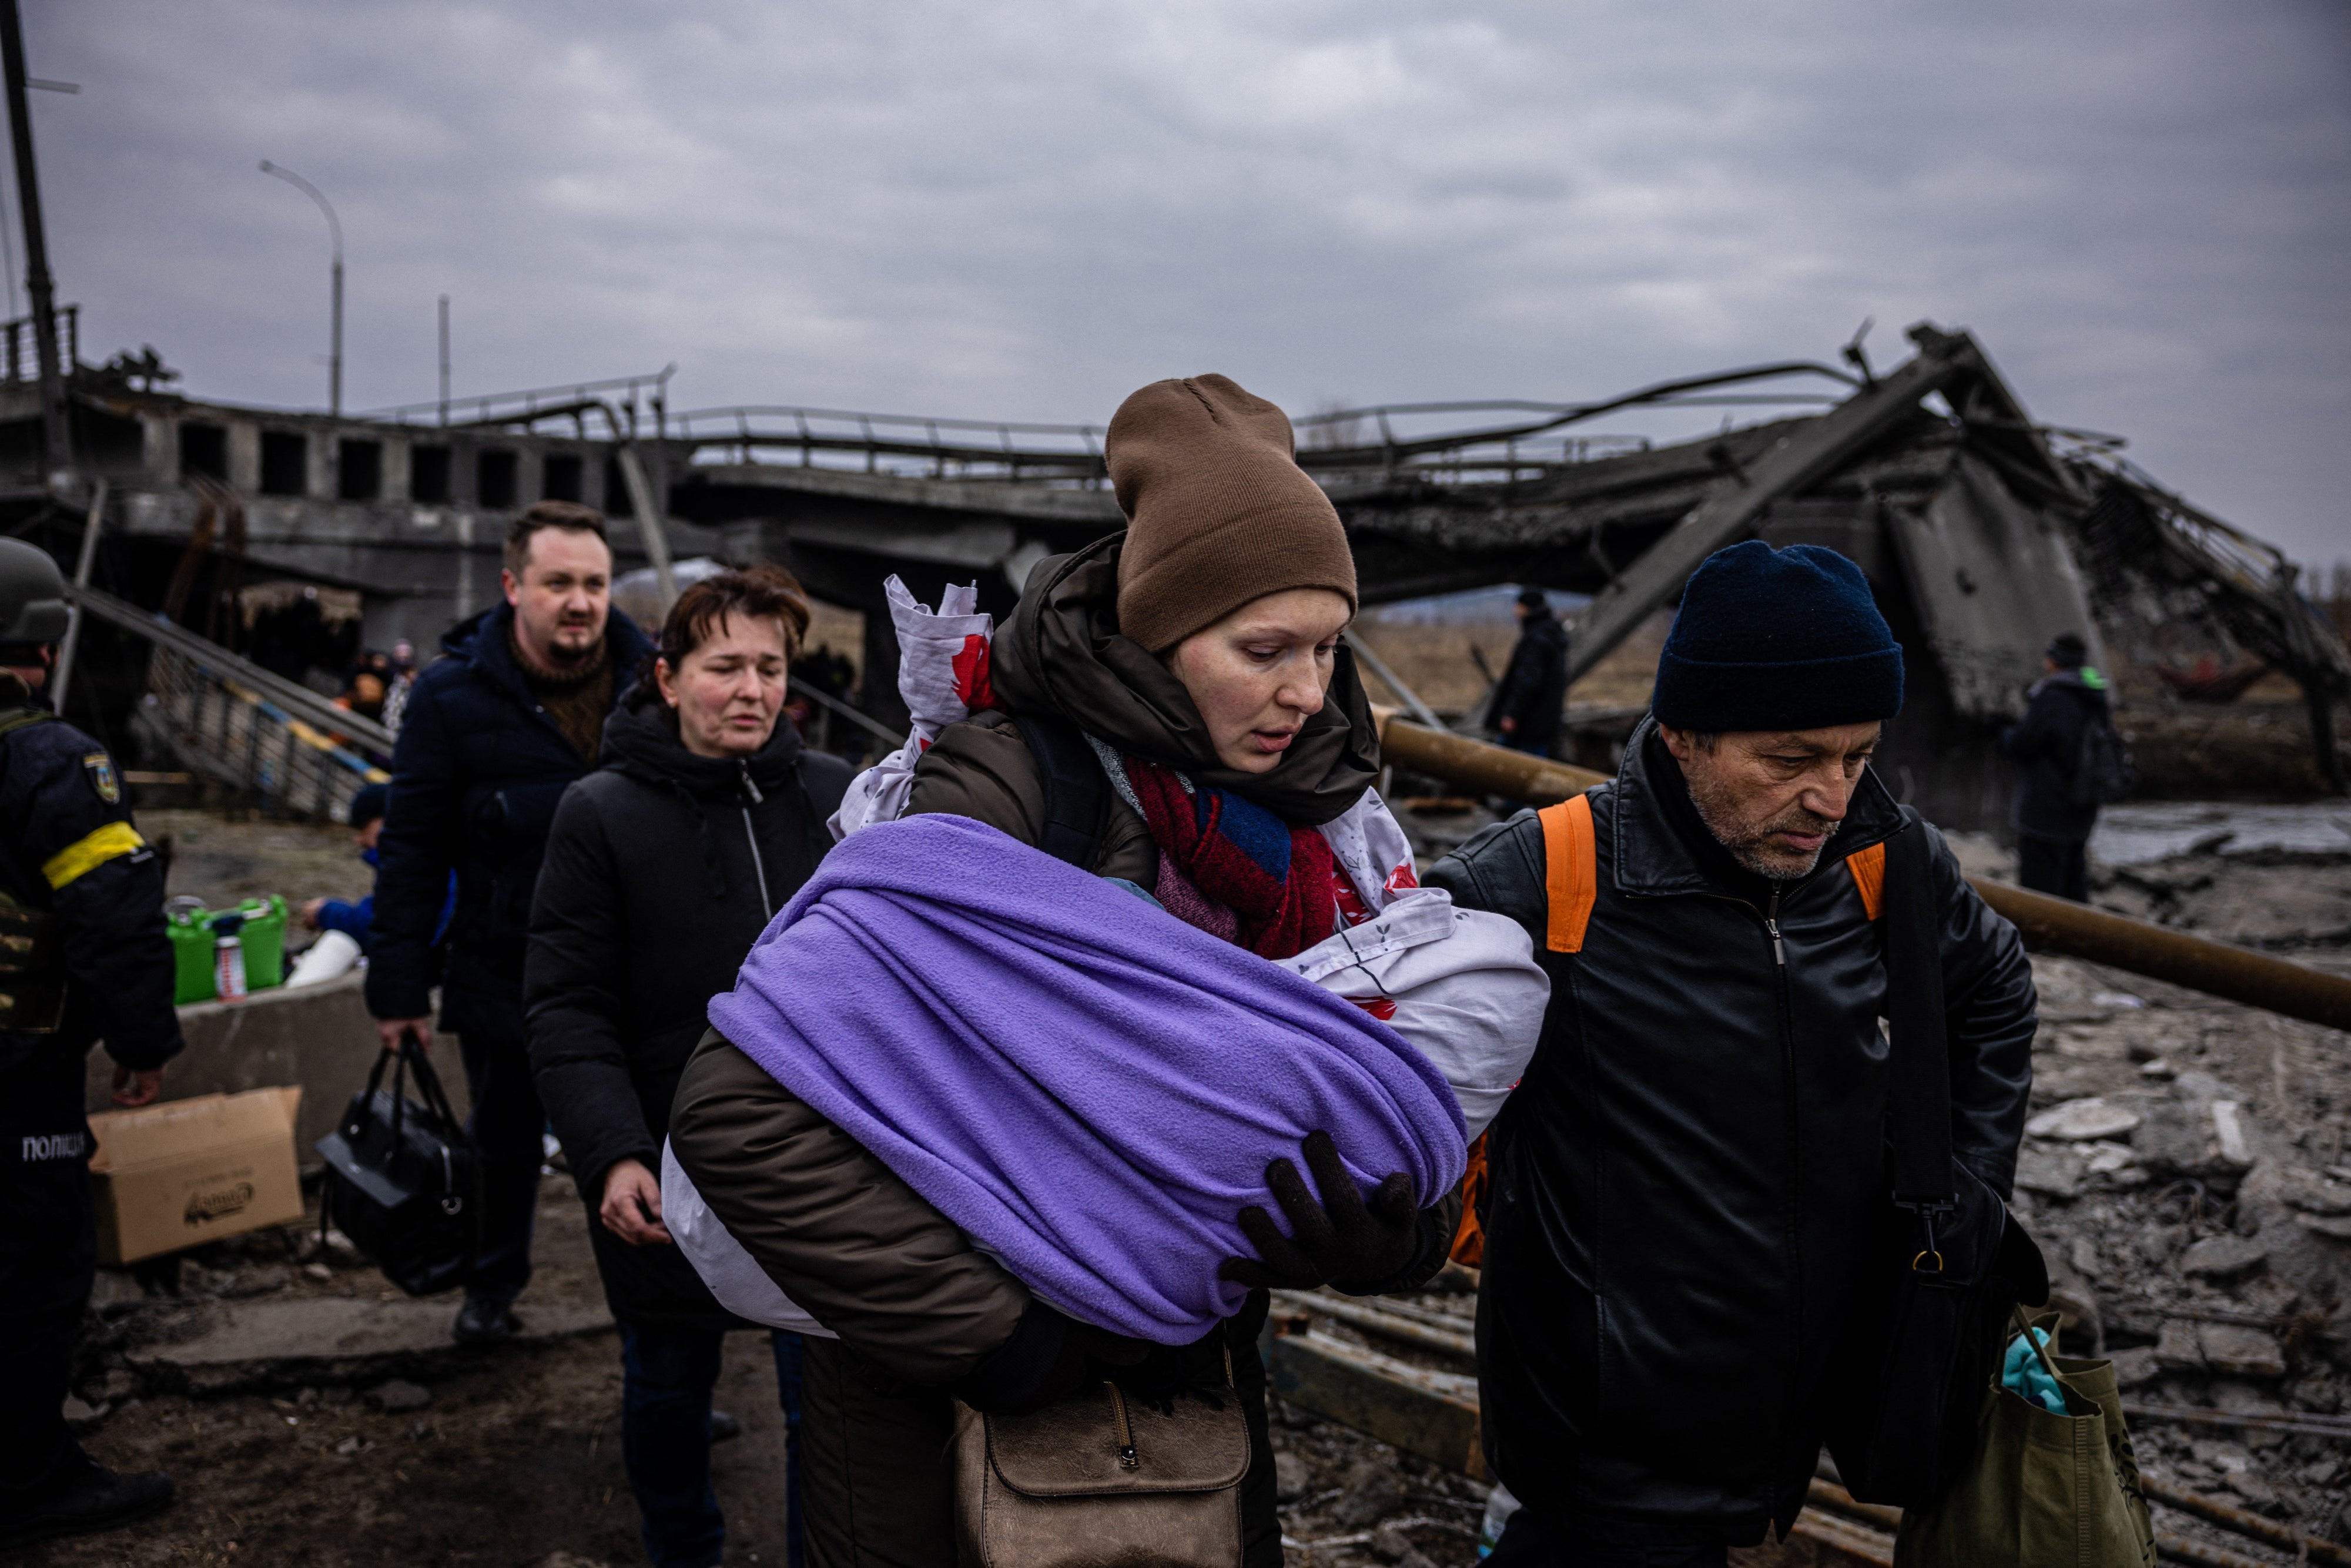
(662, 869)
(842, 1235)
(1688, 1179)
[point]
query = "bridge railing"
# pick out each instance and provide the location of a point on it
(1388, 440)
(245, 726)
(640, 399)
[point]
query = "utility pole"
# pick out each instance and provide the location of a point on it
(335, 229)
(56, 432)
(445, 361)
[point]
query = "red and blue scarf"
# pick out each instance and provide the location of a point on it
(1275, 877)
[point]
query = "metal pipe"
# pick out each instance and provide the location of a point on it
(651, 526)
(2213, 967)
(61, 678)
(55, 429)
(1421, 712)
(2285, 1538)
(2057, 925)
(1474, 764)
(2300, 1426)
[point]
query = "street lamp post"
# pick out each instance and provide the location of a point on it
(335, 228)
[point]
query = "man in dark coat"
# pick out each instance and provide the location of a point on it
(492, 737)
(1531, 699)
(83, 957)
(2052, 833)
(1687, 1184)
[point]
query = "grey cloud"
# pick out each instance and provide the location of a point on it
(1025, 209)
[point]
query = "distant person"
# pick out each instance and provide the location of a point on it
(403, 677)
(83, 957)
(493, 736)
(2071, 759)
(663, 868)
(1531, 699)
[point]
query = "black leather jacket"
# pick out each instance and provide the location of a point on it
(1687, 1180)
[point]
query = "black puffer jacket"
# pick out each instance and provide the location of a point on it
(1532, 691)
(2047, 746)
(662, 869)
(476, 776)
(1687, 1181)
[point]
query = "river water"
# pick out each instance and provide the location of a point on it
(2136, 833)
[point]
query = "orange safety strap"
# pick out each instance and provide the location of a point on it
(1570, 872)
(1869, 868)
(1470, 1240)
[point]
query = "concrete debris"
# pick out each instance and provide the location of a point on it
(397, 1398)
(1371, 1489)
(81, 1415)
(2240, 1352)
(2228, 1126)
(2079, 1120)
(2053, 1173)
(1291, 1478)
(2222, 1257)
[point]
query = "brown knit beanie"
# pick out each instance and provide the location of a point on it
(1218, 513)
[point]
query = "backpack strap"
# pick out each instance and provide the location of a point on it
(1868, 869)
(1918, 1084)
(1570, 872)
(1077, 796)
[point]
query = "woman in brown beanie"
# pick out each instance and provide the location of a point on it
(1195, 661)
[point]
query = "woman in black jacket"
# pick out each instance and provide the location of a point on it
(662, 869)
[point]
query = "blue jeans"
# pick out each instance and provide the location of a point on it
(668, 1375)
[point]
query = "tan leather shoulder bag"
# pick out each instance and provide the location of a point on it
(1099, 1479)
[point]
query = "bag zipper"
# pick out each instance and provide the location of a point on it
(1127, 1458)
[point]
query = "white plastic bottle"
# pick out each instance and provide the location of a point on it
(1499, 1506)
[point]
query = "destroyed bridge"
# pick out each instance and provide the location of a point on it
(1982, 533)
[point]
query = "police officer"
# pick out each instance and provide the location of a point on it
(83, 956)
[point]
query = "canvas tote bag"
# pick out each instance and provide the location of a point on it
(2041, 1490)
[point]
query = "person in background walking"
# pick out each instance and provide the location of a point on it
(494, 734)
(1531, 699)
(2052, 828)
(662, 867)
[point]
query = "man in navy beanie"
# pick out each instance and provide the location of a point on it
(1686, 1189)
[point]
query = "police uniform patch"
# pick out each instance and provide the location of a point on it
(102, 777)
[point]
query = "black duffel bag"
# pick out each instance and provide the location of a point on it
(401, 1179)
(1954, 1263)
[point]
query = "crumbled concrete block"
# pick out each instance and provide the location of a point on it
(2222, 1257)
(2079, 1120)
(2136, 1366)
(2180, 1348)
(398, 1396)
(1291, 1477)
(1373, 1492)
(2240, 1351)
(1390, 1545)
(2053, 1173)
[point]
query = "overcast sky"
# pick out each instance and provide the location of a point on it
(1024, 209)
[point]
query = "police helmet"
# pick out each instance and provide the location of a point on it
(32, 594)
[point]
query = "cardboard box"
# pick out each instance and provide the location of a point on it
(190, 1171)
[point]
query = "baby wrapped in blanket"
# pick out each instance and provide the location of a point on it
(1088, 1087)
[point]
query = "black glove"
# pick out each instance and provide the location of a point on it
(1343, 1237)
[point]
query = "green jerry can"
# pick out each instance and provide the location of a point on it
(259, 927)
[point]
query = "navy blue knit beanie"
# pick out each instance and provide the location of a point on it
(1785, 639)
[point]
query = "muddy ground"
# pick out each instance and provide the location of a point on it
(2208, 1250)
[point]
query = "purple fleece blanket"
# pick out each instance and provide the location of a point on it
(1088, 1087)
